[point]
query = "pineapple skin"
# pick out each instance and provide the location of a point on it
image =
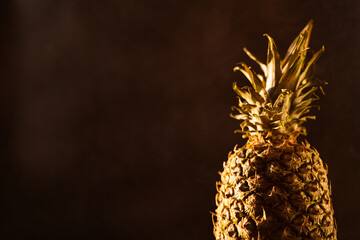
(274, 191)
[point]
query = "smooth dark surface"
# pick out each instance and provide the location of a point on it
(115, 114)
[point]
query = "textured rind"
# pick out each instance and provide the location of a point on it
(272, 191)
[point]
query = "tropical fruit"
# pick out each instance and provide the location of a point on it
(275, 186)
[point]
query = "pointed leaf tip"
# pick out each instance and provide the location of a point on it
(309, 25)
(273, 64)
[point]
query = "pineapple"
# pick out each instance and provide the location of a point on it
(276, 187)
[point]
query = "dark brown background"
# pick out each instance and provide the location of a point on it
(114, 114)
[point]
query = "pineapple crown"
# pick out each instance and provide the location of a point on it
(279, 100)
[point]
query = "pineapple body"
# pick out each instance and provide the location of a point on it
(275, 187)
(274, 191)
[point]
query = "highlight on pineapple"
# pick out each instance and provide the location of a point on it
(276, 187)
